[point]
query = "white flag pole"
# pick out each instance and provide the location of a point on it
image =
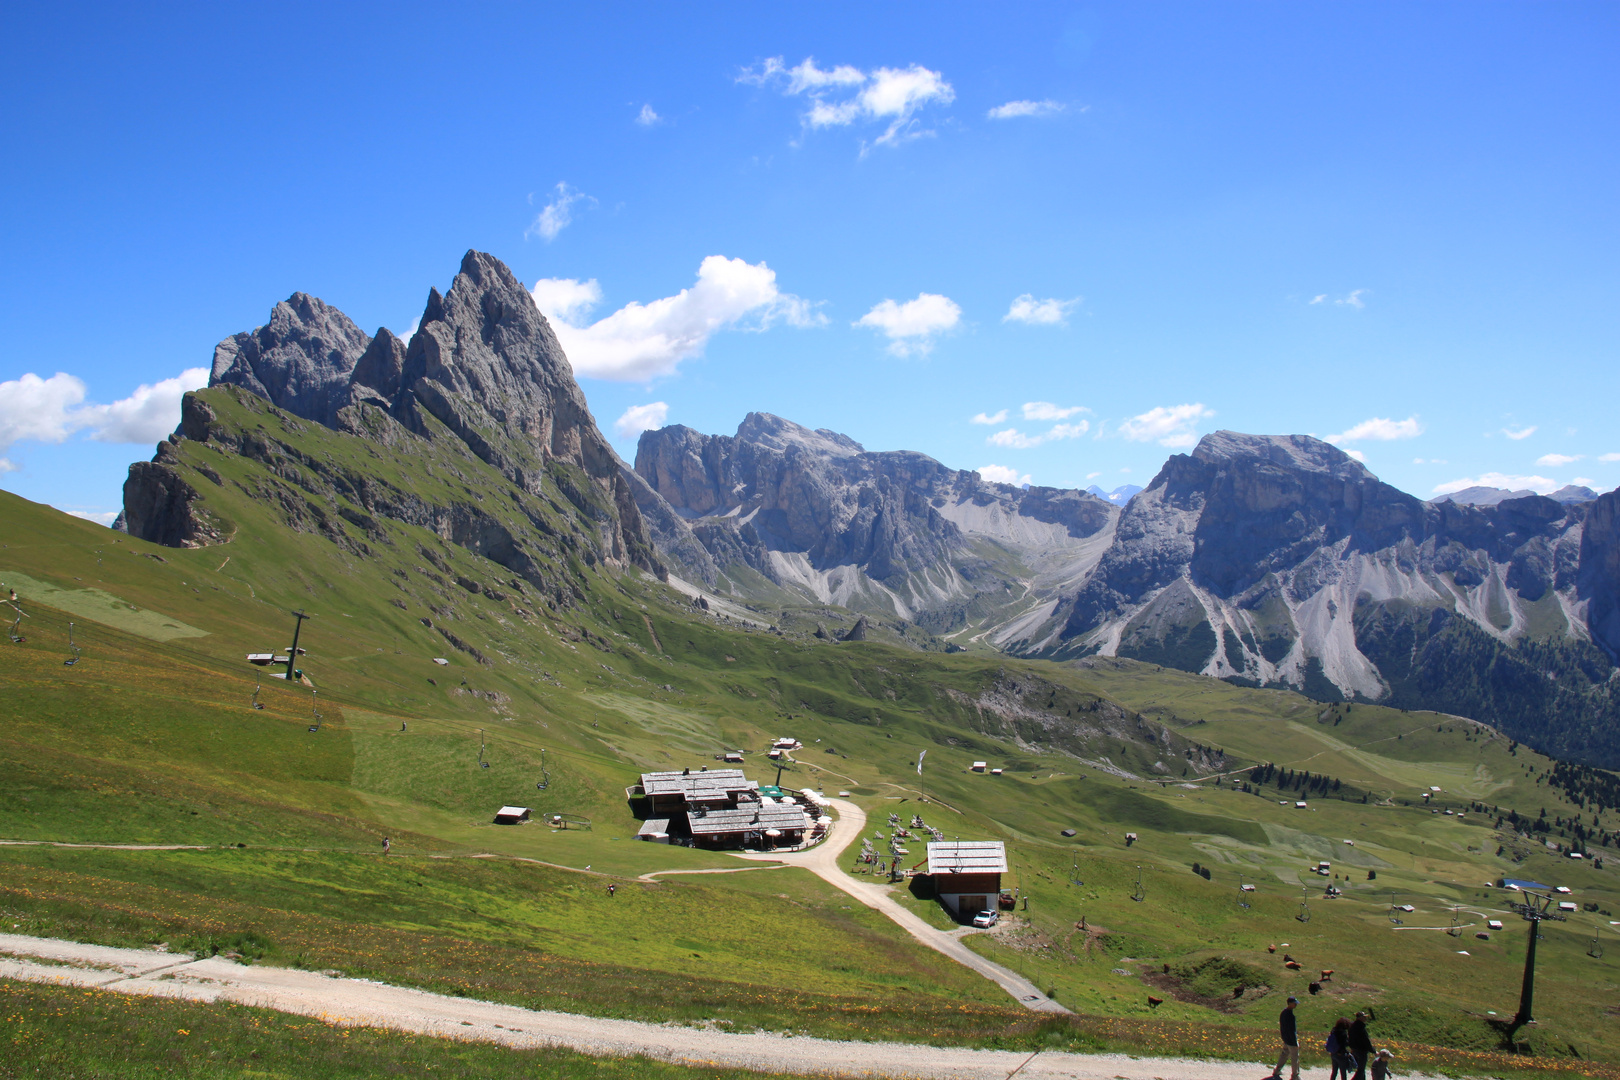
(919, 762)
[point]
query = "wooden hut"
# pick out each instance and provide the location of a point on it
(966, 874)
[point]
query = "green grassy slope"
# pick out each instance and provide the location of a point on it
(150, 739)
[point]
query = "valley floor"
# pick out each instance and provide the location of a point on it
(361, 1003)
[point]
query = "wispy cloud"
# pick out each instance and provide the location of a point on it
(1045, 410)
(1050, 312)
(1002, 474)
(1380, 429)
(1356, 455)
(1609, 458)
(639, 418)
(843, 95)
(646, 117)
(1553, 461)
(1018, 440)
(1539, 484)
(912, 326)
(557, 214)
(1352, 299)
(990, 418)
(643, 341)
(1517, 434)
(51, 410)
(1014, 109)
(1174, 426)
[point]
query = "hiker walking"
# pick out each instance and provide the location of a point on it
(1361, 1047)
(612, 888)
(386, 845)
(1288, 1031)
(1338, 1049)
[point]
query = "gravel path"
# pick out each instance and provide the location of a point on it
(358, 1003)
(823, 861)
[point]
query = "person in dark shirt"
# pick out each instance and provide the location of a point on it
(1361, 1047)
(1288, 1030)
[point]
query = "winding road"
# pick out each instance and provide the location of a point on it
(823, 861)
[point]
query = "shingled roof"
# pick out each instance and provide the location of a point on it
(714, 785)
(967, 857)
(749, 818)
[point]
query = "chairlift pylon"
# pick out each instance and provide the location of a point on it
(74, 659)
(1242, 881)
(545, 775)
(1393, 917)
(16, 624)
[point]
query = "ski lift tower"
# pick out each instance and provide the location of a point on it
(1537, 907)
(292, 653)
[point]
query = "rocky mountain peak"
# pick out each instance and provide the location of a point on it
(484, 366)
(1297, 453)
(301, 360)
(764, 429)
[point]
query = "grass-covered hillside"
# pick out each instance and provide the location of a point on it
(150, 739)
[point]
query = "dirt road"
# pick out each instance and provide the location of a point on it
(357, 1003)
(823, 861)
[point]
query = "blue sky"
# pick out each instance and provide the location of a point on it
(1102, 230)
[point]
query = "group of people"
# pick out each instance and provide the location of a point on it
(1349, 1047)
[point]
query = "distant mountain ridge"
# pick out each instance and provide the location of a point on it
(813, 514)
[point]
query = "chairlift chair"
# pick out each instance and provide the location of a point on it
(1304, 905)
(1139, 894)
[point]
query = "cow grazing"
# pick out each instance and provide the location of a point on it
(1315, 988)
(1292, 965)
(1271, 948)
(1154, 1003)
(1327, 974)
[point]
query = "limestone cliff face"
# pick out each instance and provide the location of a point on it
(1279, 560)
(483, 368)
(895, 532)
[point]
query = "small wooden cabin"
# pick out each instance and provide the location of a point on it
(511, 815)
(966, 874)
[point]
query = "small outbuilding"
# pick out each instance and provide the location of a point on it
(966, 874)
(511, 815)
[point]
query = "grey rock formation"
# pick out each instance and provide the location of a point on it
(301, 360)
(893, 532)
(484, 368)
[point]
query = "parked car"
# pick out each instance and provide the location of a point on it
(986, 919)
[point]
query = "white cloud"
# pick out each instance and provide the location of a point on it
(1610, 458)
(990, 418)
(1001, 474)
(1045, 410)
(147, 415)
(647, 118)
(1172, 426)
(639, 418)
(558, 214)
(1014, 109)
(100, 517)
(51, 410)
(1540, 484)
(1092, 475)
(1018, 440)
(842, 95)
(911, 326)
(1583, 481)
(1356, 455)
(1381, 429)
(1027, 309)
(642, 341)
(1553, 461)
(1014, 438)
(1430, 461)
(1352, 299)
(1521, 433)
(567, 299)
